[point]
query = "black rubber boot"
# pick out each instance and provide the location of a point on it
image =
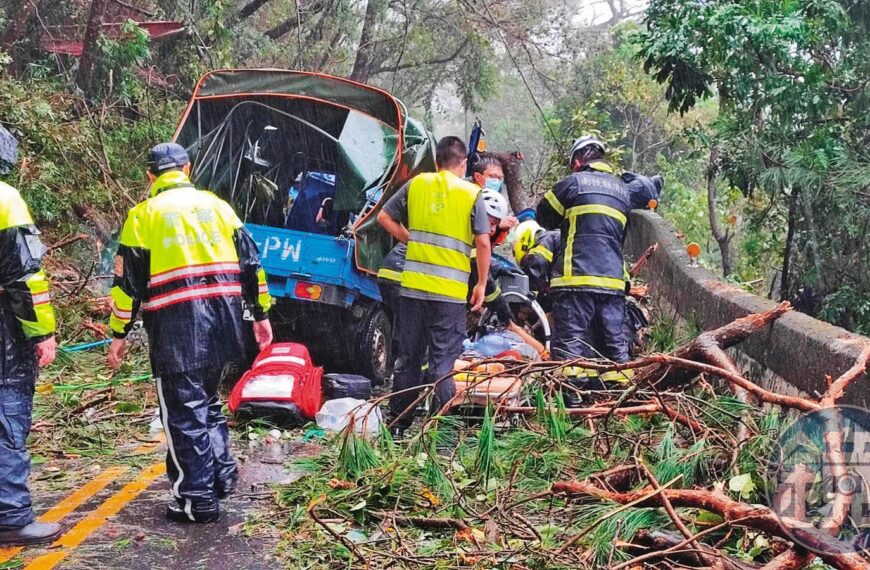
(224, 489)
(176, 514)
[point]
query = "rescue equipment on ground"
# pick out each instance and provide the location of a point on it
(337, 386)
(479, 384)
(283, 385)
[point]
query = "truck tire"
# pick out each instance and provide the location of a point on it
(374, 339)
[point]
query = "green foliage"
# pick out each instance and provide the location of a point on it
(790, 84)
(622, 526)
(73, 166)
(484, 464)
(357, 454)
(557, 421)
(117, 67)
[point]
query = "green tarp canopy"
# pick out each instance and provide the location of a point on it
(252, 133)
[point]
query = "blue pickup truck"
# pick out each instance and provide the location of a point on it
(306, 160)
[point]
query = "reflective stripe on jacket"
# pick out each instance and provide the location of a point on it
(394, 263)
(22, 281)
(186, 261)
(441, 237)
(591, 207)
(538, 261)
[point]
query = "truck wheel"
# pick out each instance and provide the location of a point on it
(374, 340)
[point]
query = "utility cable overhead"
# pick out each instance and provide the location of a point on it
(504, 41)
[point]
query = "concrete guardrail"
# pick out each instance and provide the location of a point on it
(791, 356)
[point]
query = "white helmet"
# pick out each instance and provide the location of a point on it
(496, 204)
(583, 142)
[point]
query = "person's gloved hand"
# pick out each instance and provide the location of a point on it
(263, 333)
(46, 351)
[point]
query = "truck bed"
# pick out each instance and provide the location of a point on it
(292, 257)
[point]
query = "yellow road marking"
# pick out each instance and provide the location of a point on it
(70, 503)
(151, 446)
(96, 519)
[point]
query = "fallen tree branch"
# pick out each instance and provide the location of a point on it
(643, 259)
(724, 337)
(752, 516)
(425, 523)
(312, 508)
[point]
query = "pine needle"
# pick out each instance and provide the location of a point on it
(557, 422)
(386, 444)
(356, 455)
(540, 405)
(486, 447)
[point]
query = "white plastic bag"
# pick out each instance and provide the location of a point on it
(335, 415)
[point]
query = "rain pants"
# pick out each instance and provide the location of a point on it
(591, 208)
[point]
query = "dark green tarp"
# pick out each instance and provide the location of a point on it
(280, 123)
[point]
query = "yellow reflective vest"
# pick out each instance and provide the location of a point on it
(441, 236)
(22, 281)
(186, 261)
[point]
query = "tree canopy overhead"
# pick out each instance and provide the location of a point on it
(791, 81)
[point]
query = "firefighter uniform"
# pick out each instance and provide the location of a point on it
(591, 208)
(186, 262)
(643, 189)
(443, 213)
(26, 318)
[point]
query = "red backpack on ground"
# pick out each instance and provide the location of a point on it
(282, 385)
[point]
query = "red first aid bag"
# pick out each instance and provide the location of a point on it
(282, 385)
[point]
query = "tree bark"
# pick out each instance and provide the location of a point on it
(250, 8)
(292, 21)
(362, 65)
(785, 280)
(16, 28)
(723, 238)
(814, 241)
(87, 60)
(745, 515)
(724, 337)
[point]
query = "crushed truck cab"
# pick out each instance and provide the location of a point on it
(307, 160)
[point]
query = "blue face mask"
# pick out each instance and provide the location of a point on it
(493, 184)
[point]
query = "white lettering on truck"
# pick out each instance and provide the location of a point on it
(286, 250)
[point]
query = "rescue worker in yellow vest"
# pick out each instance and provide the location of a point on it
(27, 327)
(390, 275)
(441, 217)
(187, 262)
(591, 207)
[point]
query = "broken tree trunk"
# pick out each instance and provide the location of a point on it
(723, 338)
